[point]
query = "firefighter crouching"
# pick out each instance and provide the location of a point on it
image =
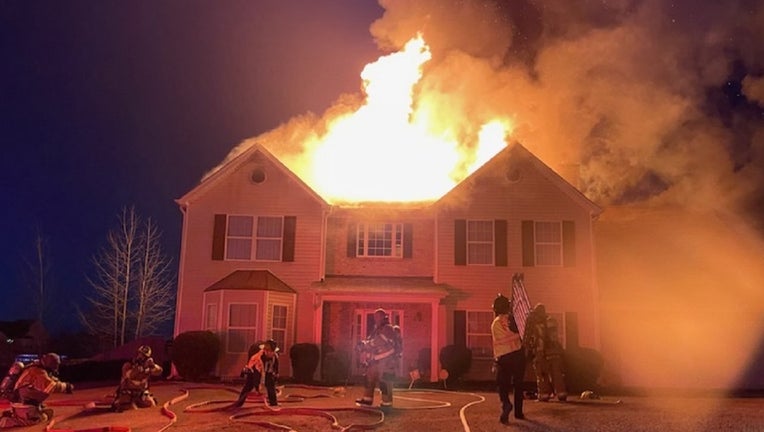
(33, 384)
(380, 354)
(133, 391)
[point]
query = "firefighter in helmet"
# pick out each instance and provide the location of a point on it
(508, 357)
(34, 384)
(261, 373)
(133, 391)
(380, 355)
(545, 349)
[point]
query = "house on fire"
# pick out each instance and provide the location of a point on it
(264, 256)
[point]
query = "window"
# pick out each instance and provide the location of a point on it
(260, 236)
(479, 339)
(380, 240)
(480, 242)
(279, 325)
(548, 243)
(242, 327)
(211, 319)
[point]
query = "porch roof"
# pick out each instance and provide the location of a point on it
(257, 280)
(361, 285)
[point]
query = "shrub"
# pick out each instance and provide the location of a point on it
(304, 358)
(195, 354)
(336, 367)
(92, 371)
(583, 367)
(456, 359)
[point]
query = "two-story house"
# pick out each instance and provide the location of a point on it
(264, 256)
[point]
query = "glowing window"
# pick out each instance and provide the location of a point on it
(380, 240)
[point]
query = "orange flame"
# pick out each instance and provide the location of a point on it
(386, 150)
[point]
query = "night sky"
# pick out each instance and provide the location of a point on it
(105, 104)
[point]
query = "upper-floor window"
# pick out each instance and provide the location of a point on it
(480, 242)
(548, 239)
(379, 240)
(258, 236)
(549, 243)
(479, 339)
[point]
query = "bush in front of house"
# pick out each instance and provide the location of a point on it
(304, 358)
(195, 354)
(92, 371)
(335, 366)
(456, 359)
(583, 367)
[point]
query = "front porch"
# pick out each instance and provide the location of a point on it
(343, 318)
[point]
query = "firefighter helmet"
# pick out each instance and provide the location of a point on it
(501, 305)
(50, 361)
(272, 344)
(144, 350)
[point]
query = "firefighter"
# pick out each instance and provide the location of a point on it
(33, 386)
(555, 361)
(133, 391)
(262, 370)
(544, 347)
(380, 355)
(508, 357)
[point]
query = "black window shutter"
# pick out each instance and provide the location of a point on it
(352, 234)
(571, 330)
(460, 328)
(568, 243)
(290, 226)
(218, 237)
(529, 254)
(408, 240)
(500, 242)
(460, 242)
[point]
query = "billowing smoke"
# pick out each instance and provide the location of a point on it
(642, 95)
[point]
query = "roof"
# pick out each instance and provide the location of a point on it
(229, 166)
(377, 285)
(251, 280)
(505, 160)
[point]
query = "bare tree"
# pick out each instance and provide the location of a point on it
(107, 315)
(133, 283)
(154, 293)
(37, 275)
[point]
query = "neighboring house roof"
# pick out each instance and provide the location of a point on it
(507, 160)
(361, 285)
(16, 329)
(230, 166)
(257, 280)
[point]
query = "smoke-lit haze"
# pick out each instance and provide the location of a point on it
(658, 107)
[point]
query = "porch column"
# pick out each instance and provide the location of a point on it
(318, 315)
(434, 337)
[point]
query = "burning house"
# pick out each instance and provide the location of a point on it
(264, 256)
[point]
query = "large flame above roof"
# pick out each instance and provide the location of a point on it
(395, 147)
